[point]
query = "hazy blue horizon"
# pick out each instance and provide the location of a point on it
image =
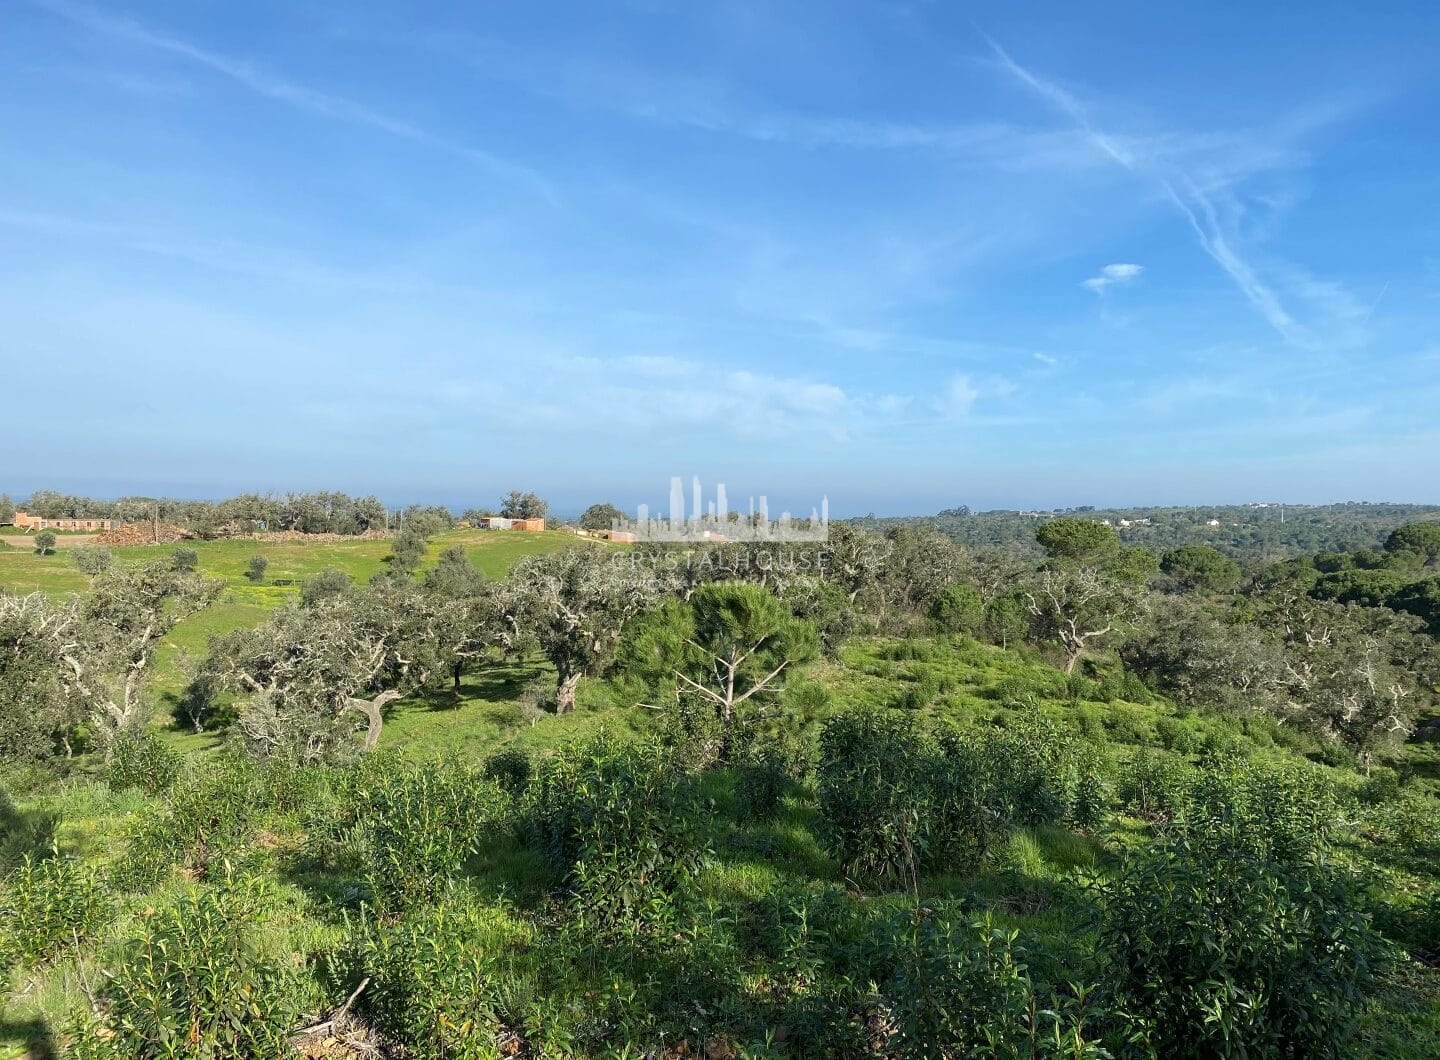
(570, 504)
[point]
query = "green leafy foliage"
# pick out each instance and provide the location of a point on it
(616, 824)
(1212, 949)
(197, 981)
(443, 978)
(511, 768)
(417, 825)
(206, 823)
(48, 905)
(959, 609)
(961, 989)
(142, 760)
(767, 767)
(896, 800)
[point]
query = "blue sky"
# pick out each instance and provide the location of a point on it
(906, 255)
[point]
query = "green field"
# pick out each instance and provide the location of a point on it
(705, 972)
(1032, 884)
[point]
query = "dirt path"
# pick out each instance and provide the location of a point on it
(61, 540)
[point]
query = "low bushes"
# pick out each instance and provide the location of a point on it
(1213, 949)
(142, 760)
(416, 826)
(447, 980)
(616, 825)
(766, 768)
(955, 989)
(897, 798)
(47, 906)
(209, 819)
(198, 981)
(874, 780)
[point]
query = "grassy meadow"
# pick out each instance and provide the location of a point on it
(755, 954)
(1036, 883)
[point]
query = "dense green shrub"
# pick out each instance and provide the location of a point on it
(1410, 822)
(959, 609)
(1091, 799)
(1127, 725)
(1283, 812)
(209, 818)
(1153, 785)
(1215, 950)
(966, 813)
(48, 905)
(616, 824)
(919, 692)
(448, 980)
(142, 760)
(874, 788)
(961, 989)
(1034, 767)
(896, 798)
(418, 824)
(1175, 735)
(199, 982)
(287, 786)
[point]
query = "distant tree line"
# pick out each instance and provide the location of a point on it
(318, 512)
(1244, 532)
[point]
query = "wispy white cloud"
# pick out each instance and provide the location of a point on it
(685, 100)
(1112, 274)
(302, 97)
(1193, 190)
(957, 398)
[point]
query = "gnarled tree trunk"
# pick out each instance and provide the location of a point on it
(371, 709)
(566, 683)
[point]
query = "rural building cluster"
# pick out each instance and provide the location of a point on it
(26, 521)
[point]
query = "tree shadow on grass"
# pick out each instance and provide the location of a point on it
(33, 1035)
(492, 682)
(24, 832)
(503, 682)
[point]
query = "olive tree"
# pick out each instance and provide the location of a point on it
(45, 542)
(1079, 606)
(104, 643)
(469, 623)
(521, 505)
(302, 673)
(92, 561)
(574, 605)
(855, 560)
(918, 567)
(1090, 588)
(38, 717)
(1352, 672)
